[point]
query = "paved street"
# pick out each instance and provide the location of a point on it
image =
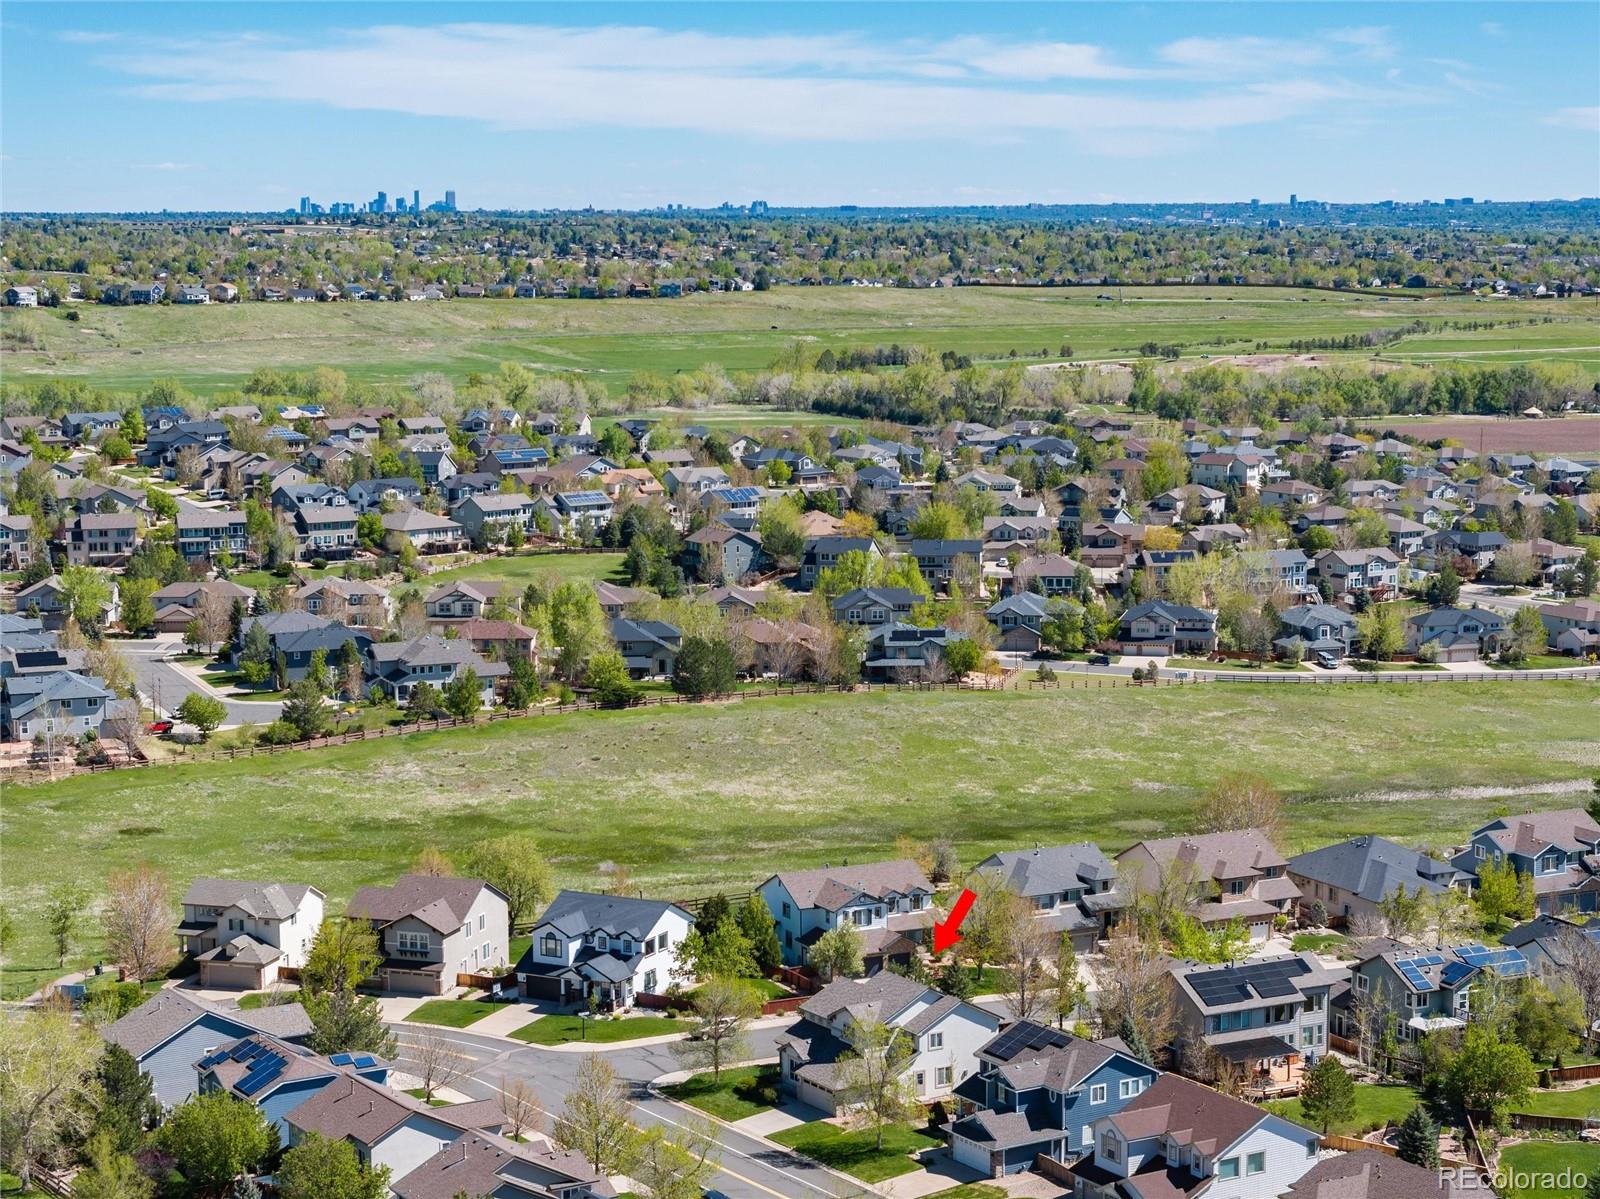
(751, 1168)
(164, 684)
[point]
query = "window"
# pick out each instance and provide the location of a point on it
(650, 982)
(1110, 1149)
(1228, 1167)
(936, 1040)
(466, 930)
(941, 1076)
(1127, 1088)
(1097, 1093)
(1361, 982)
(1256, 1163)
(601, 941)
(480, 921)
(549, 946)
(786, 909)
(921, 1080)
(412, 942)
(1312, 1148)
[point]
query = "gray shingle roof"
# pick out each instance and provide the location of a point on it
(274, 900)
(163, 1016)
(1373, 868)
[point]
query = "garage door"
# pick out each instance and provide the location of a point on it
(408, 982)
(231, 974)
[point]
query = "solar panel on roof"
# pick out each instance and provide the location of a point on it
(341, 1059)
(213, 1059)
(267, 1068)
(246, 1050)
(365, 1063)
(1454, 972)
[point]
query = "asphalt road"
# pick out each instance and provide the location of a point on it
(751, 1168)
(164, 684)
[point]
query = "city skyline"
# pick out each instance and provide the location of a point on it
(188, 108)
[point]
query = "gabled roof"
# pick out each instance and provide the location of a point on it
(1369, 1174)
(832, 887)
(271, 900)
(1047, 870)
(440, 903)
(577, 912)
(1374, 868)
(1237, 854)
(1190, 1114)
(163, 1016)
(484, 1163)
(356, 1109)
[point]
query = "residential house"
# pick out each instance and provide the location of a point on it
(428, 533)
(296, 637)
(431, 928)
(205, 534)
(172, 1030)
(1350, 880)
(873, 606)
(276, 1076)
(612, 948)
(577, 513)
(178, 603)
(823, 553)
(83, 427)
(1374, 573)
(54, 701)
(398, 667)
(1289, 569)
(1019, 616)
(987, 481)
(900, 653)
(1317, 629)
(683, 481)
(1192, 503)
(946, 1034)
(615, 601)
(371, 495)
(1553, 945)
(484, 1163)
(16, 544)
(1424, 991)
(48, 597)
(649, 647)
(937, 559)
(734, 600)
(1073, 888)
(1574, 627)
(1050, 574)
(1038, 1092)
(242, 933)
(1556, 848)
(101, 538)
(1267, 1018)
(1243, 471)
(889, 903)
(1370, 1174)
(500, 640)
(1203, 539)
(716, 552)
(1157, 627)
(1240, 874)
(351, 602)
(1406, 536)
(1291, 493)
(1456, 634)
(468, 599)
(324, 520)
(1179, 1140)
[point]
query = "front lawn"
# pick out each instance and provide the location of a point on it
(260, 999)
(418, 1093)
(453, 1013)
(971, 1190)
(1376, 1106)
(562, 1030)
(991, 980)
(1533, 1169)
(1542, 662)
(767, 988)
(740, 1092)
(1230, 664)
(856, 1153)
(1584, 1101)
(1317, 942)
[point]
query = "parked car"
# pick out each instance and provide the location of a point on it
(160, 727)
(1326, 660)
(1099, 659)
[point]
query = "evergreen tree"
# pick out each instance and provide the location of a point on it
(1327, 1096)
(1417, 1140)
(127, 1105)
(1134, 1040)
(755, 922)
(712, 913)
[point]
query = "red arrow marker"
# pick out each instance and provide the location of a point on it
(946, 933)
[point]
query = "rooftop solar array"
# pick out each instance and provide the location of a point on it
(1023, 1036)
(1413, 968)
(1500, 959)
(215, 1059)
(342, 1059)
(1236, 984)
(268, 1066)
(585, 497)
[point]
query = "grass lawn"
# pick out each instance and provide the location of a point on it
(653, 788)
(768, 989)
(1376, 1106)
(259, 999)
(1524, 1164)
(418, 1093)
(856, 1153)
(1230, 664)
(1317, 942)
(740, 1092)
(526, 567)
(453, 1013)
(518, 947)
(1543, 662)
(561, 1030)
(1584, 1101)
(972, 1190)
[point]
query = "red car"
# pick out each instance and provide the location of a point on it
(161, 726)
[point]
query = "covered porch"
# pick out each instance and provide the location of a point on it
(1270, 1067)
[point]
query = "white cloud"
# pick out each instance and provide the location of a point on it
(86, 37)
(1369, 41)
(1241, 55)
(1585, 119)
(162, 166)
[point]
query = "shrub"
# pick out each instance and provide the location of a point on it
(279, 732)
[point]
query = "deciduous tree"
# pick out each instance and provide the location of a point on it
(216, 1138)
(723, 1010)
(48, 1086)
(137, 917)
(837, 952)
(870, 1076)
(514, 865)
(320, 1168)
(594, 1119)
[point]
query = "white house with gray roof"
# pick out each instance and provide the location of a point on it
(889, 903)
(946, 1033)
(242, 933)
(430, 929)
(612, 947)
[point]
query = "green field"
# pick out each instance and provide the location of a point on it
(738, 1092)
(526, 567)
(1376, 1107)
(1538, 1169)
(213, 347)
(564, 1030)
(856, 1153)
(700, 797)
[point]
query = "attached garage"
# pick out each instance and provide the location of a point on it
(243, 962)
(429, 981)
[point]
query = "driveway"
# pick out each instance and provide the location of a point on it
(164, 684)
(752, 1168)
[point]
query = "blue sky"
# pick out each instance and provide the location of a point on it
(250, 105)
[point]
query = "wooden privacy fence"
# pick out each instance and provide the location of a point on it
(486, 982)
(1568, 1074)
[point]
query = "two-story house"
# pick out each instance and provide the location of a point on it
(296, 637)
(1237, 875)
(242, 933)
(612, 947)
(469, 599)
(1158, 627)
(1051, 574)
(428, 533)
(1456, 634)
(351, 602)
(1039, 1090)
(1371, 572)
(1573, 627)
(822, 553)
(717, 552)
(1179, 1139)
(649, 647)
(1019, 617)
(1291, 493)
(324, 519)
(1423, 991)
(1290, 571)
(1266, 1018)
(937, 558)
(49, 598)
(1349, 880)
(873, 606)
(486, 517)
(889, 903)
(1317, 629)
(276, 1076)
(55, 702)
(399, 667)
(485, 1163)
(1556, 848)
(203, 534)
(430, 929)
(1071, 887)
(946, 1034)
(898, 653)
(101, 538)
(577, 513)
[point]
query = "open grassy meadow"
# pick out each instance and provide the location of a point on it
(216, 346)
(695, 798)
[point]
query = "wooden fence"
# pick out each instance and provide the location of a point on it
(1557, 1074)
(486, 982)
(1356, 1144)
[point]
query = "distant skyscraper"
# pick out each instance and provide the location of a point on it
(305, 205)
(416, 199)
(450, 201)
(1294, 200)
(381, 204)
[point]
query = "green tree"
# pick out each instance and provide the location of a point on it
(1417, 1139)
(723, 1009)
(110, 1173)
(759, 929)
(423, 702)
(939, 521)
(1444, 588)
(723, 951)
(48, 1087)
(138, 612)
(1128, 1032)
(1327, 1095)
(1503, 895)
(303, 707)
(85, 594)
(463, 695)
(608, 680)
(133, 424)
(871, 1076)
(704, 666)
(205, 713)
(319, 1168)
(1525, 636)
(594, 1118)
(1548, 1020)
(1490, 1074)
(61, 910)
(344, 1022)
(837, 952)
(344, 955)
(1382, 635)
(514, 865)
(778, 523)
(962, 657)
(215, 1138)
(128, 1104)
(578, 626)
